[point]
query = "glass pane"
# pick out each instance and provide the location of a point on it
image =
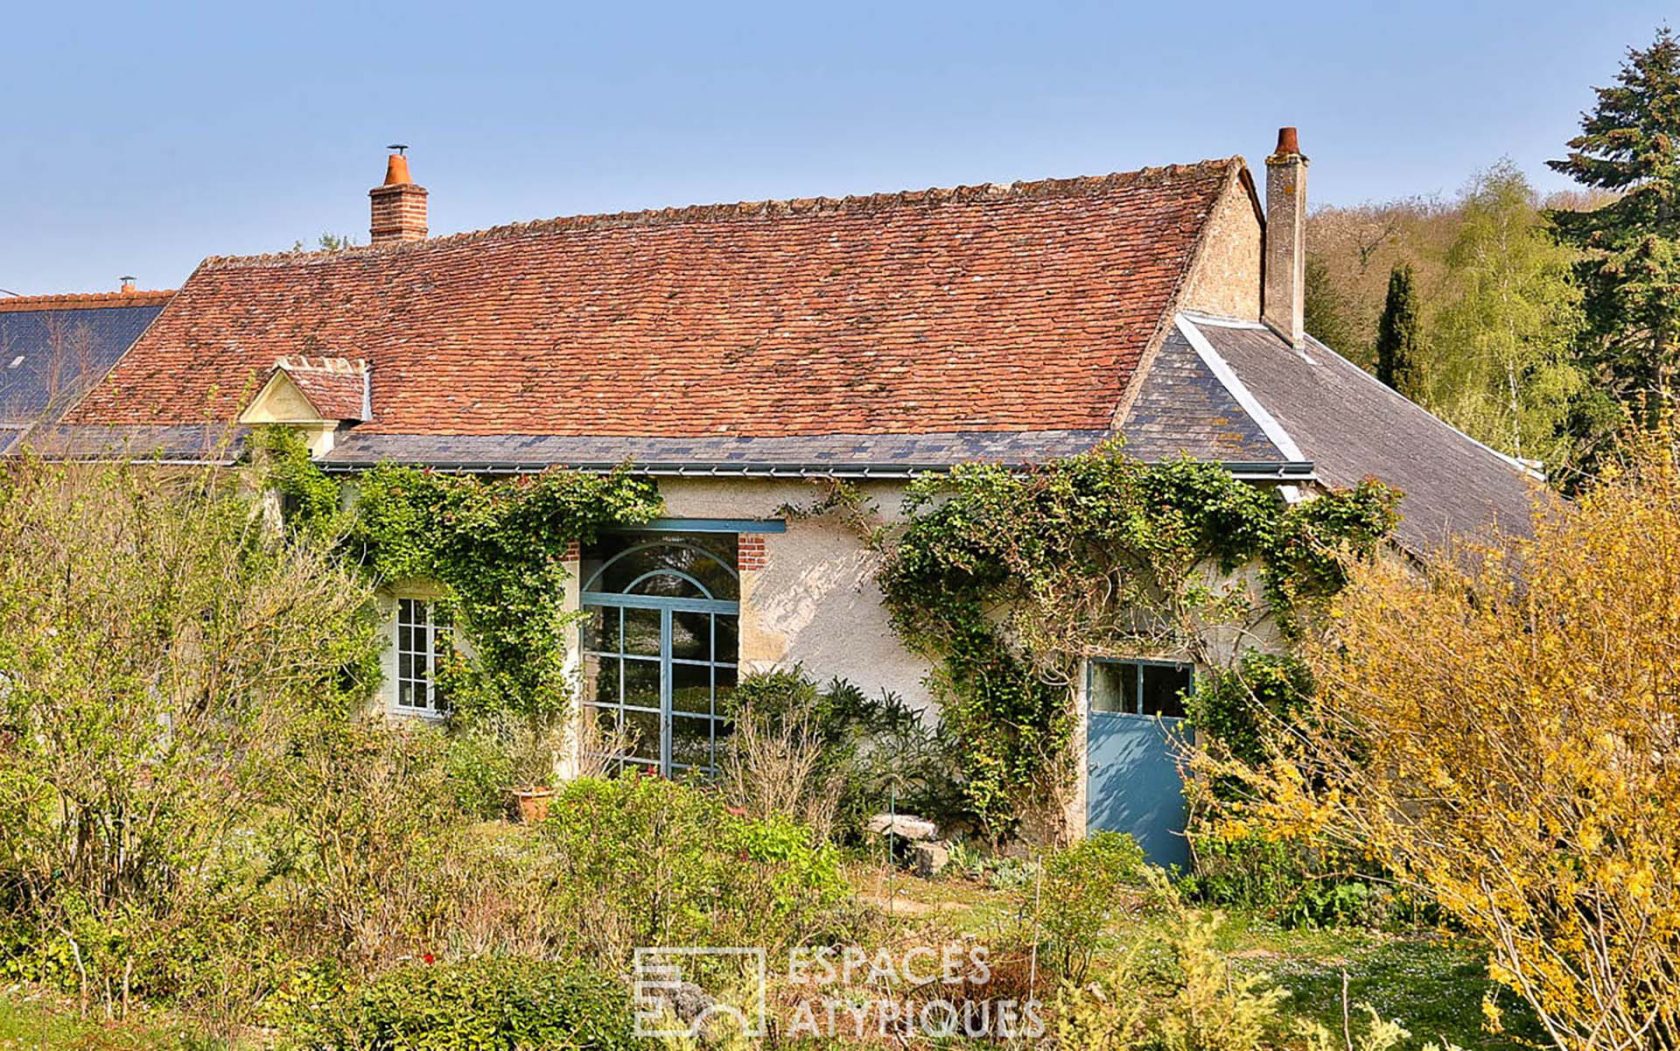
(725, 681)
(691, 688)
(594, 633)
(691, 635)
(606, 676)
(1164, 687)
(641, 631)
(707, 558)
(600, 724)
(728, 630)
(691, 741)
(643, 730)
(641, 682)
(1113, 687)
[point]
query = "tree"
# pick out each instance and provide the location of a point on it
(1397, 342)
(1630, 274)
(1503, 367)
(1327, 314)
(1500, 732)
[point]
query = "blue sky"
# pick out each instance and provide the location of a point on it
(141, 138)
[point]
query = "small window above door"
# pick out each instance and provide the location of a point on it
(1138, 687)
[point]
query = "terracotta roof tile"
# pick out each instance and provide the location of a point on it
(985, 308)
(85, 300)
(336, 387)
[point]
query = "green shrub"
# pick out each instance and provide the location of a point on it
(833, 755)
(1081, 894)
(1296, 884)
(490, 1004)
(640, 860)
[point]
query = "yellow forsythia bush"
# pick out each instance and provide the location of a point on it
(1502, 730)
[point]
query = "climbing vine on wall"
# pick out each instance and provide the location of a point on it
(497, 547)
(1008, 580)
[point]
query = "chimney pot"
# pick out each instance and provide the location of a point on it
(396, 170)
(1283, 292)
(128, 283)
(398, 205)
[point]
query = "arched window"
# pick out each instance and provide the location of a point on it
(660, 644)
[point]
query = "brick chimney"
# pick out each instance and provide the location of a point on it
(1283, 299)
(399, 206)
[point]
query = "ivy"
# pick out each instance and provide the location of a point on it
(497, 548)
(1009, 580)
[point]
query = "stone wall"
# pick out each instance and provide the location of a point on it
(1224, 279)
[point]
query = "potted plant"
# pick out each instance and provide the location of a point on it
(535, 744)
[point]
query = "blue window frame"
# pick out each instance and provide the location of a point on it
(660, 644)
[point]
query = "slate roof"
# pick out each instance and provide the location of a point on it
(1022, 308)
(53, 348)
(1352, 427)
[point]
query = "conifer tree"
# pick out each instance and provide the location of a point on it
(1630, 274)
(1397, 349)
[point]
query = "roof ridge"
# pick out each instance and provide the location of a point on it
(87, 300)
(932, 196)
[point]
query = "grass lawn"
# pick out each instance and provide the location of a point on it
(1433, 987)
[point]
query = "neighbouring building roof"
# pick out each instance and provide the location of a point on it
(54, 348)
(1020, 309)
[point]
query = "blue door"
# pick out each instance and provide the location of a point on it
(1133, 713)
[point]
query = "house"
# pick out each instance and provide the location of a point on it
(734, 351)
(53, 349)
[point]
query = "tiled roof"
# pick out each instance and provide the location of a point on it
(336, 387)
(1353, 427)
(84, 301)
(53, 348)
(979, 309)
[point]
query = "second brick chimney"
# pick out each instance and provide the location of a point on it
(399, 206)
(1283, 301)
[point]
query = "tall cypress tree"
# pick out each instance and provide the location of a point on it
(1397, 350)
(1630, 270)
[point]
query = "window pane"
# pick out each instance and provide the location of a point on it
(641, 631)
(641, 682)
(1164, 687)
(691, 635)
(691, 688)
(594, 633)
(691, 741)
(607, 674)
(643, 730)
(725, 680)
(629, 558)
(728, 630)
(1113, 687)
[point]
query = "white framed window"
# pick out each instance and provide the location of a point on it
(423, 637)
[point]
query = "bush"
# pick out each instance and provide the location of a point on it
(491, 1004)
(1083, 891)
(832, 756)
(1296, 884)
(1498, 731)
(1208, 1006)
(160, 648)
(645, 861)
